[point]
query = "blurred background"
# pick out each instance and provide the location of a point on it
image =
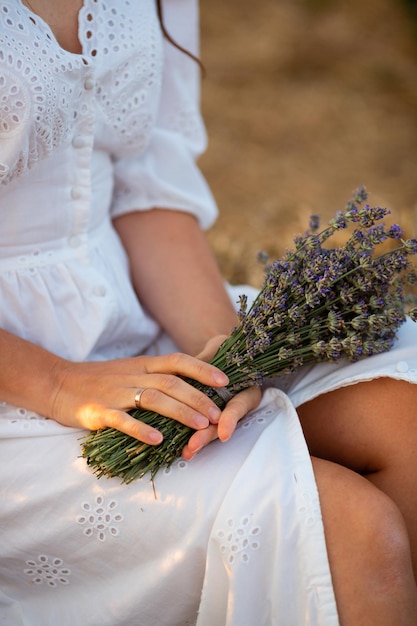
(304, 101)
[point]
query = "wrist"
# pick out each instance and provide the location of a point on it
(59, 372)
(29, 374)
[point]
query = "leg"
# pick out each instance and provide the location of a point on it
(368, 550)
(371, 428)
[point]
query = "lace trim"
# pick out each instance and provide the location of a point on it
(35, 104)
(43, 88)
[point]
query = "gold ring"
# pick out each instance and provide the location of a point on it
(138, 396)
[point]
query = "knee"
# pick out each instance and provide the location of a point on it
(368, 549)
(381, 532)
(364, 528)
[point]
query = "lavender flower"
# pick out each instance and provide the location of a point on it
(316, 304)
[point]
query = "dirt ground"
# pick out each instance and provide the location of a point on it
(305, 100)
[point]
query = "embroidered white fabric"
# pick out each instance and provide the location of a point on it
(233, 537)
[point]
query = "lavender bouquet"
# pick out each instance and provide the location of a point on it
(317, 304)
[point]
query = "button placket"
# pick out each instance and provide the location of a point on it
(82, 143)
(79, 141)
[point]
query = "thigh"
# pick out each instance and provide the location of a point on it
(363, 426)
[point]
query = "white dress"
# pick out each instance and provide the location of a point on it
(234, 537)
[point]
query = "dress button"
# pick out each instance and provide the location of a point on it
(4, 169)
(402, 366)
(89, 84)
(99, 291)
(79, 141)
(74, 241)
(76, 193)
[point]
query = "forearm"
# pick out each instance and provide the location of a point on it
(176, 276)
(29, 375)
(95, 395)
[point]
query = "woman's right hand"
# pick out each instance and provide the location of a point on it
(95, 395)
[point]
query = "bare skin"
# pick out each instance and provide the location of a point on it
(371, 428)
(372, 585)
(365, 533)
(62, 18)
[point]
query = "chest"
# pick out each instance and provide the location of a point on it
(62, 18)
(109, 94)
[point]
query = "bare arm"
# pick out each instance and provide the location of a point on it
(194, 307)
(28, 374)
(176, 276)
(95, 395)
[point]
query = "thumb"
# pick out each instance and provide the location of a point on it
(211, 347)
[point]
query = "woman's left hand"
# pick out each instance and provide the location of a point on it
(236, 408)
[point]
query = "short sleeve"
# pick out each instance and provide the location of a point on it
(166, 175)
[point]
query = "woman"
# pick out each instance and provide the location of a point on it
(103, 259)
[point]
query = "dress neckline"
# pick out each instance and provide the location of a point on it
(38, 19)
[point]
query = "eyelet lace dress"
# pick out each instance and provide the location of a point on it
(234, 537)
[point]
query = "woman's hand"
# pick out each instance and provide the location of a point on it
(97, 395)
(235, 409)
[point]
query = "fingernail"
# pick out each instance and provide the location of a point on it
(155, 436)
(220, 378)
(200, 421)
(214, 413)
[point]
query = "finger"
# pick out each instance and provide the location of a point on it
(96, 416)
(211, 347)
(237, 408)
(133, 427)
(159, 402)
(174, 397)
(187, 366)
(199, 440)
